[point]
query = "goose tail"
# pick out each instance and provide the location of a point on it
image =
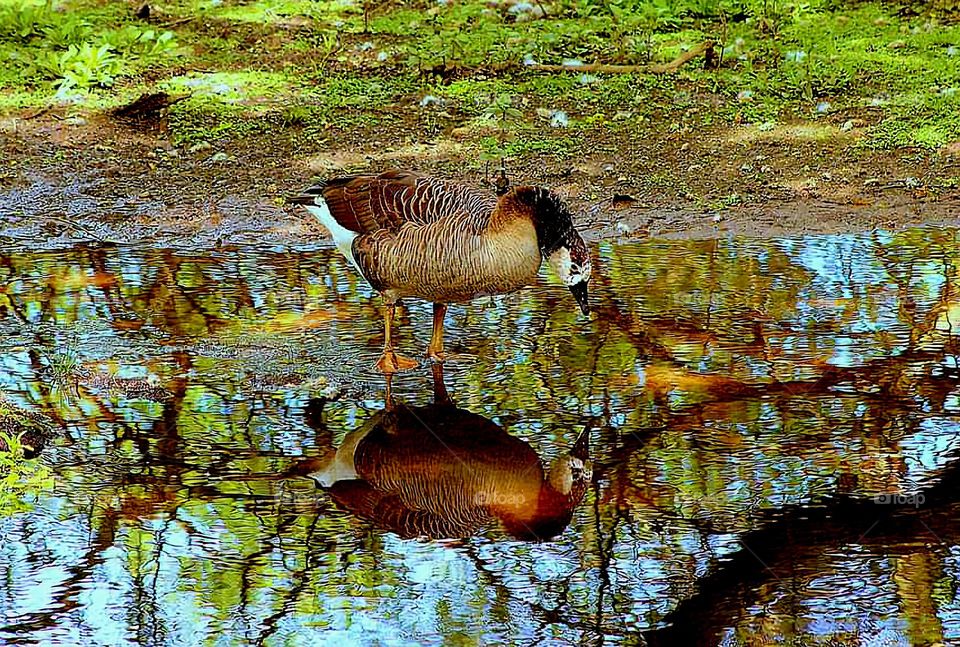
(309, 196)
(312, 199)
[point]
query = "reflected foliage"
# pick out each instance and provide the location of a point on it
(742, 388)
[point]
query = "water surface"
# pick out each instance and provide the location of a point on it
(774, 427)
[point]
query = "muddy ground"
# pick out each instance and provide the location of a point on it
(68, 179)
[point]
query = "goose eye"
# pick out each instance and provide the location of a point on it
(574, 268)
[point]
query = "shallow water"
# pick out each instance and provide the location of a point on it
(774, 430)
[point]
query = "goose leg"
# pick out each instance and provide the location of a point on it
(389, 361)
(435, 350)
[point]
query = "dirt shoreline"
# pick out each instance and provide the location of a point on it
(81, 180)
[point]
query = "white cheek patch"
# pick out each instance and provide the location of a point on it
(561, 264)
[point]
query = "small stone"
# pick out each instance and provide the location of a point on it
(200, 146)
(559, 119)
(219, 157)
(897, 44)
(847, 125)
(823, 107)
(685, 147)
(430, 100)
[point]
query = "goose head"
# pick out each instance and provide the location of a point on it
(559, 241)
(565, 483)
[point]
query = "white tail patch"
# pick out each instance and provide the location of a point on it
(341, 466)
(342, 237)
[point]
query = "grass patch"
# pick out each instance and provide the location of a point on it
(302, 64)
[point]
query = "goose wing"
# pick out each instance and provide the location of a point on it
(366, 204)
(391, 512)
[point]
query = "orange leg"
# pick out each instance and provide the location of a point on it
(435, 350)
(389, 361)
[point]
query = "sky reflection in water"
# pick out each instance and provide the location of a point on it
(752, 399)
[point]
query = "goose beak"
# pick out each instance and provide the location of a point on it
(579, 291)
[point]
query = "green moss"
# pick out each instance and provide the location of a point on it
(781, 61)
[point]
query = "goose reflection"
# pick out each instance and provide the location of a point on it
(440, 471)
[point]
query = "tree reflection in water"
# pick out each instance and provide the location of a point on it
(753, 399)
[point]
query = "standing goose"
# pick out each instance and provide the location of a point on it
(410, 235)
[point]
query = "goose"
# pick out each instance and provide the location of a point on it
(415, 236)
(442, 472)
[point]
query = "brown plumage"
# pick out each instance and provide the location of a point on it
(443, 472)
(413, 236)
